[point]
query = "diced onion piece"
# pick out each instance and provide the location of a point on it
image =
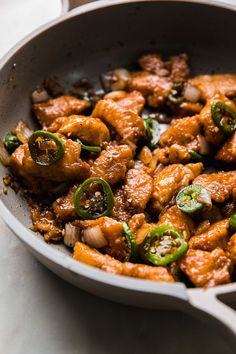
(22, 131)
(191, 93)
(145, 155)
(159, 168)
(119, 79)
(71, 235)
(39, 95)
(4, 156)
(94, 237)
(204, 147)
(204, 198)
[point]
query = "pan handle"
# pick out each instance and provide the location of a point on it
(209, 301)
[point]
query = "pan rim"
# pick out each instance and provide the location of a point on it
(177, 290)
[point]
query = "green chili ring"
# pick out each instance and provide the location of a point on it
(108, 195)
(196, 156)
(89, 148)
(232, 221)
(175, 96)
(152, 131)
(193, 198)
(11, 142)
(218, 109)
(168, 247)
(51, 156)
(133, 251)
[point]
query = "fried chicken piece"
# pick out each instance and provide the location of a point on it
(126, 122)
(181, 131)
(85, 254)
(152, 63)
(227, 152)
(232, 249)
(216, 235)
(211, 132)
(220, 186)
(179, 68)
(127, 100)
(172, 154)
(206, 269)
(170, 180)
(113, 163)
(69, 167)
(91, 131)
(176, 218)
(121, 210)
(210, 84)
(139, 227)
(109, 231)
(46, 223)
(62, 106)
(138, 188)
(186, 109)
(153, 87)
(63, 207)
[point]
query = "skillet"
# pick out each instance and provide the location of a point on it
(84, 43)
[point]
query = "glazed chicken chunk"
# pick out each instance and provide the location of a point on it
(128, 100)
(126, 122)
(70, 167)
(138, 188)
(58, 107)
(176, 218)
(210, 84)
(85, 254)
(217, 235)
(153, 87)
(221, 185)
(113, 163)
(169, 181)
(227, 153)
(206, 269)
(91, 131)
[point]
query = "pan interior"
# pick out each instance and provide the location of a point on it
(91, 43)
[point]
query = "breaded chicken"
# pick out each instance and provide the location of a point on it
(210, 84)
(126, 122)
(138, 188)
(106, 229)
(113, 163)
(69, 167)
(217, 235)
(91, 131)
(152, 63)
(221, 185)
(128, 100)
(227, 152)
(206, 269)
(169, 181)
(181, 132)
(232, 249)
(85, 254)
(64, 206)
(153, 87)
(179, 68)
(175, 217)
(62, 106)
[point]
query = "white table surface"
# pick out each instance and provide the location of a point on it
(42, 314)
